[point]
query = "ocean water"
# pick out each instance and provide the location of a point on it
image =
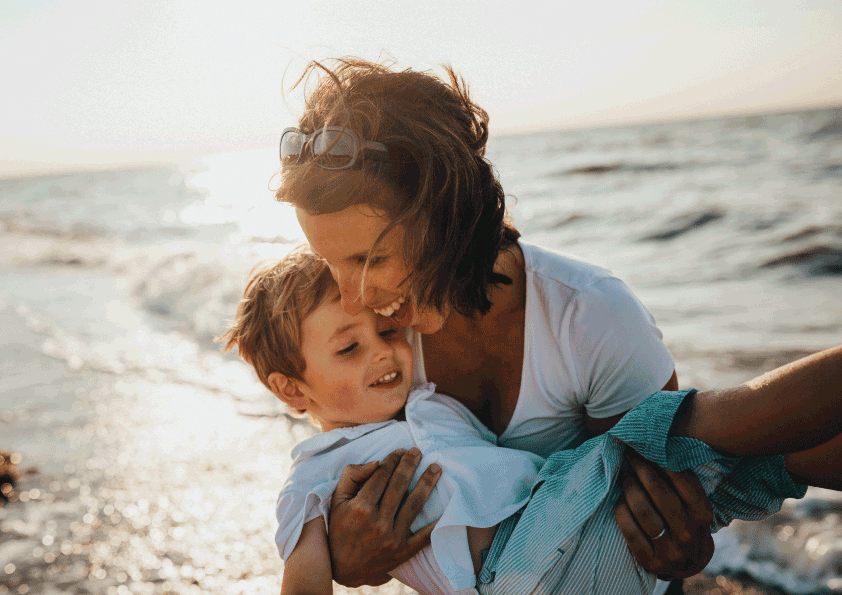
(729, 230)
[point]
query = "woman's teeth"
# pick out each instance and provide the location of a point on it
(385, 378)
(392, 308)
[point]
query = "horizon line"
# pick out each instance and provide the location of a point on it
(179, 157)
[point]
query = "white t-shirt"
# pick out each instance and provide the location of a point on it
(481, 484)
(590, 347)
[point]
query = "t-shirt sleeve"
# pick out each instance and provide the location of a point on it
(618, 352)
(295, 509)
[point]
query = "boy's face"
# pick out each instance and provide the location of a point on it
(358, 367)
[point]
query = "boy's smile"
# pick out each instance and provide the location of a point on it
(357, 367)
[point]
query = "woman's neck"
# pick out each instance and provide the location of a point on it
(479, 360)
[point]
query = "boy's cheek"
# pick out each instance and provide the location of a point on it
(346, 399)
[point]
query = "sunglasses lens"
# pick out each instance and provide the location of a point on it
(335, 149)
(292, 143)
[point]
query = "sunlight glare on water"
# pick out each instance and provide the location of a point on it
(236, 189)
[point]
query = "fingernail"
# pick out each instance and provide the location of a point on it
(435, 468)
(414, 452)
(400, 452)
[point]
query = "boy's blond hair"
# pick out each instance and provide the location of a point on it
(278, 297)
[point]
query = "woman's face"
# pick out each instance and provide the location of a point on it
(345, 239)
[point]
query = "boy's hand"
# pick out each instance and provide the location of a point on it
(665, 518)
(369, 531)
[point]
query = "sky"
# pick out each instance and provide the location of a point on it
(93, 83)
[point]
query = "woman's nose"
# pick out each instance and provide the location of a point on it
(349, 292)
(351, 305)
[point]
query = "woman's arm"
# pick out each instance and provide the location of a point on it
(370, 514)
(820, 466)
(791, 409)
(307, 569)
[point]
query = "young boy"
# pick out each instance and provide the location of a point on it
(541, 526)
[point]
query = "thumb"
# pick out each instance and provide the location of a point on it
(349, 482)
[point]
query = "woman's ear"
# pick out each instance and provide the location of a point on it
(287, 390)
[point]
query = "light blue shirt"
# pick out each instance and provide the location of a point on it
(480, 486)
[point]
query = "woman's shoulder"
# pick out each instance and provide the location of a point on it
(557, 284)
(546, 272)
(547, 266)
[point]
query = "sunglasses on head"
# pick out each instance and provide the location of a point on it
(330, 147)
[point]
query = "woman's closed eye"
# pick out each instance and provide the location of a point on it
(372, 262)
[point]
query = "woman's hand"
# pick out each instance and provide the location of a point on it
(369, 531)
(665, 518)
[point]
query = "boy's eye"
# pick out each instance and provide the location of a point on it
(348, 349)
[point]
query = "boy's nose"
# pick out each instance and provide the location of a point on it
(383, 349)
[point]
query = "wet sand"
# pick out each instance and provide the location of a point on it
(704, 584)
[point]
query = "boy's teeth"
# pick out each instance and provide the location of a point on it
(386, 378)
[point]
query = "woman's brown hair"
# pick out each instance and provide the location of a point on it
(448, 198)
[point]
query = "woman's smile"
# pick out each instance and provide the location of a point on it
(391, 308)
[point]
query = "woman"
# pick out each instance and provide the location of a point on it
(390, 184)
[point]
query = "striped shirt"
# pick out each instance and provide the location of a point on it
(567, 541)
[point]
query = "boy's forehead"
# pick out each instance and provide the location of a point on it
(332, 299)
(330, 320)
